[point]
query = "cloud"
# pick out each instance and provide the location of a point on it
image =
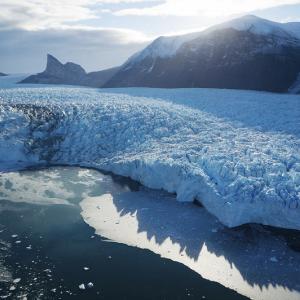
(24, 51)
(41, 14)
(212, 8)
(30, 29)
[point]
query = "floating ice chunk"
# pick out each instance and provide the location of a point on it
(82, 286)
(14, 236)
(12, 288)
(18, 242)
(273, 259)
(86, 268)
(17, 280)
(90, 285)
(47, 271)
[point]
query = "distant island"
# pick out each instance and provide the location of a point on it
(248, 53)
(3, 74)
(69, 73)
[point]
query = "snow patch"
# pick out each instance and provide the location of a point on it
(162, 47)
(255, 25)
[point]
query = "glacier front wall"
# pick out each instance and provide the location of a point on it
(241, 174)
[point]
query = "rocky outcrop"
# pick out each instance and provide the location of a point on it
(69, 73)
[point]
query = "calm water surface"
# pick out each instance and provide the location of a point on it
(47, 250)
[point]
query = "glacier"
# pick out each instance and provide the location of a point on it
(236, 152)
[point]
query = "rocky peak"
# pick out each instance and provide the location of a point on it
(53, 65)
(69, 73)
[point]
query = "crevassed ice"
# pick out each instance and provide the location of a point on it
(240, 173)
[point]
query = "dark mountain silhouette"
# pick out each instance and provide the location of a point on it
(69, 73)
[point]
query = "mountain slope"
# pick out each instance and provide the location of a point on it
(3, 74)
(245, 53)
(98, 79)
(69, 73)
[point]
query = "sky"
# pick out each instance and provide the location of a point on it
(99, 34)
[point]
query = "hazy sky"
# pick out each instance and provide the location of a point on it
(102, 33)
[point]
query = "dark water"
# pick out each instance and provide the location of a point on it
(53, 246)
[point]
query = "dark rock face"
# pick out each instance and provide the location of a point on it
(3, 74)
(225, 58)
(69, 73)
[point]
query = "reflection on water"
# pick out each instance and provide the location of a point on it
(47, 250)
(59, 185)
(250, 260)
(46, 245)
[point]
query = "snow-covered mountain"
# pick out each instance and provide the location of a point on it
(69, 73)
(244, 53)
(256, 25)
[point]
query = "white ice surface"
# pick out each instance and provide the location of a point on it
(237, 152)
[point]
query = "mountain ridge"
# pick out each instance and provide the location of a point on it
(244, 53)
(248, 53)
